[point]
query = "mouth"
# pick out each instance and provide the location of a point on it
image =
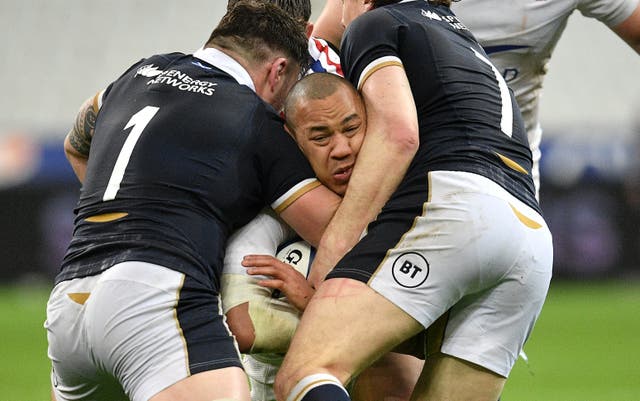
(343, 174)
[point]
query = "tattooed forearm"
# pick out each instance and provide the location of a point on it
(82, 132)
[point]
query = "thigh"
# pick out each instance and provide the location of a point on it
(152, 327)
(226, 384)
(337, 334)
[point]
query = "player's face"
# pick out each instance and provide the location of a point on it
(351, 9)
(330, 132)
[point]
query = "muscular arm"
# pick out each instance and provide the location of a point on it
(629, 30)
(328, 26)
(389, 146)
(310, 214)
(78, 141)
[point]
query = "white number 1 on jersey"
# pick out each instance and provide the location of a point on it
(139, 122)
(506, 121)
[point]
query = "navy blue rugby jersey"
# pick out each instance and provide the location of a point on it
(468, 118)
(182, 155)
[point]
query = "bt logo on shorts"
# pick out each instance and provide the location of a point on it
(410, 269)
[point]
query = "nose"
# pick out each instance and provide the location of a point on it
(341, 147)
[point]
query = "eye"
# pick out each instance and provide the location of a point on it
(351, 130)
(320, 139)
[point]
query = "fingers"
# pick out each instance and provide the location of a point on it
(269, 266)
(278, 275)
(281, 271)
(259, 260)
(273, 284)
(262, 271)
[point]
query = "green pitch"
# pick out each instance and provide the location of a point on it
(24, 367)
(585, 347)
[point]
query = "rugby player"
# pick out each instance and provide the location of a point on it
(520, 36)
(173, 156)
(326, 117)
(456, 242)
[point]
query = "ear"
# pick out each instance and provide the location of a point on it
(368, 5)
(309, 29)
(277, 72)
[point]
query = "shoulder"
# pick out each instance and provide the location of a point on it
(377, 19)
(160, 60)
(369, 40)
(609, 12)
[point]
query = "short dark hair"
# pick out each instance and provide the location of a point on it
(255, 29)
(298, 9)
(315, 86)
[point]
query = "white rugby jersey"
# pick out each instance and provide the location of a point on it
(325, 57)
(519, 36)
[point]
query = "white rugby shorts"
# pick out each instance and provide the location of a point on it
(132, 331)
(474, 255)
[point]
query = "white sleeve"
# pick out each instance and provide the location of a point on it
(609, 12)
(261, 236)
(274, 320)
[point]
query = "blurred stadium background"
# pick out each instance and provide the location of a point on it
(56, 53)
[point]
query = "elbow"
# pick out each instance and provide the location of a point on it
(241, 327)
(245, 341)
(407, 141)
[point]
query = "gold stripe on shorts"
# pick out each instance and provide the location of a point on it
(525, 220)
(79, 297)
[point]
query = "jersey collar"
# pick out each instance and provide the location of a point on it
(226, 63)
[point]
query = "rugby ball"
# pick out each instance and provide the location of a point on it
(299, 254)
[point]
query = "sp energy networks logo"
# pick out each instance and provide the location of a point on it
(410, 270)
(176, 79)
